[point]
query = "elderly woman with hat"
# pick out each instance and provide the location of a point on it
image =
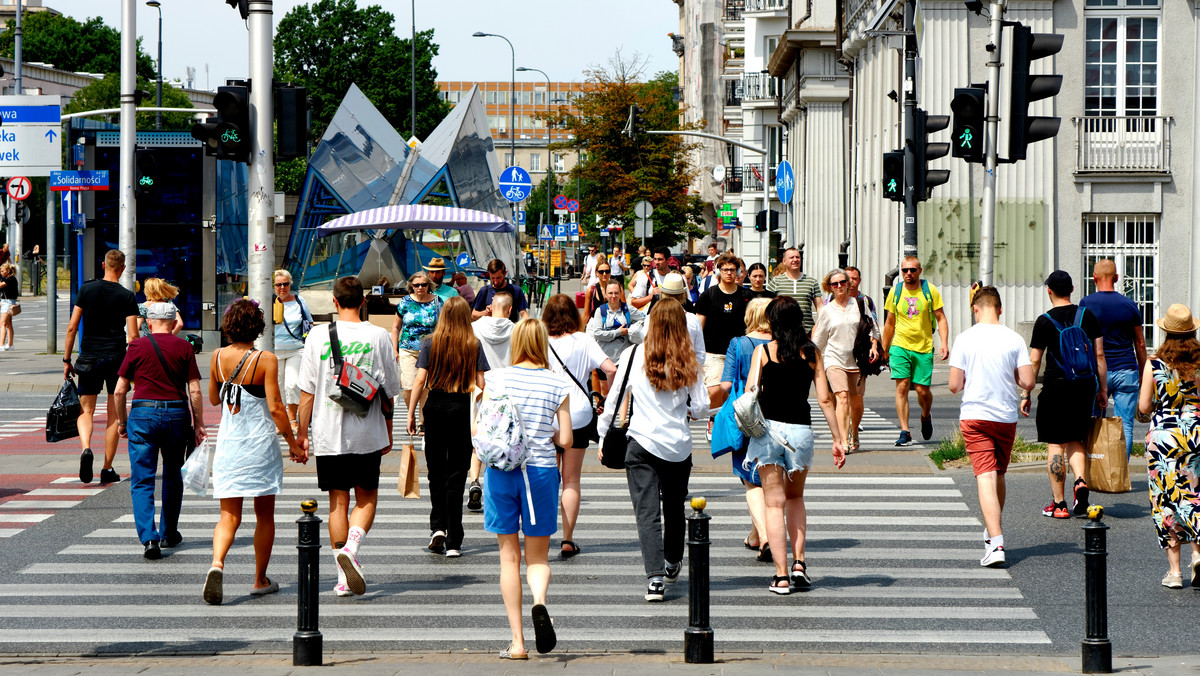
(437, 273)
(1169, 394)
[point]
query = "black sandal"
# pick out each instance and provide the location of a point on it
(543, 629)
(753, 548)
(764, 554)
(782, 591)
(800, 577)
(568, 553)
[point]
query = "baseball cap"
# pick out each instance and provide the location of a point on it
(160, 311)
(1060, 283)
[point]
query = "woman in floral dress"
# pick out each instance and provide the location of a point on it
(1169, 392)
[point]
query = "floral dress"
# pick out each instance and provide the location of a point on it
(417, 320)
(1173, 456)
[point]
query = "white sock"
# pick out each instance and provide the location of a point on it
(338, 568)
(986, 537)
(354, 539)
(996, 541)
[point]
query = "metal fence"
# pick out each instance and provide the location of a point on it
(1123, 143)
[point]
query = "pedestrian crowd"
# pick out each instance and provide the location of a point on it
(507, 405)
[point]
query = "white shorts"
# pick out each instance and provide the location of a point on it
(714, 367)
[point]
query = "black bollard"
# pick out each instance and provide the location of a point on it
(307, 642)
(698, 637)
(1097, 649)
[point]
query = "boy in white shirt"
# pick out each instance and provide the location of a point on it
(348, 448)
(988, 363)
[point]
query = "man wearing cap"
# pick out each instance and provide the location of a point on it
(437, 272)
(1064, 412)
(165, 412)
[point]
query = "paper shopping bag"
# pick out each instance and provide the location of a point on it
(1107, 463)
(409, 484)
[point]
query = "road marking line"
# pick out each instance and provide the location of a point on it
(37, 504)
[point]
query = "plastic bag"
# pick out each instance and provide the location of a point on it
(197, 469)
(63, 414)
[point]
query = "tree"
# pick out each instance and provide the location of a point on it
(89, 47)
(106, 93)
(331, 44)
(618, 171)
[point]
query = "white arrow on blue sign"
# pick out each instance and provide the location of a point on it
(515, 184)
(785, 182)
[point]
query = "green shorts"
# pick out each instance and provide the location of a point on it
(905, 364)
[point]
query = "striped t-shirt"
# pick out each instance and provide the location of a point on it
(538, 393)
(805, 290)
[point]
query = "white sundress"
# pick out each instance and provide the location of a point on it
(248, 460)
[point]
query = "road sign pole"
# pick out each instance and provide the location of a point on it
(127, 216)
(987, 233)
(51, 274)
(261, 225)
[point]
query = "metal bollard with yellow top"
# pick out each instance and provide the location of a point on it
(698, 637)
(307, 642)
(1097, 649)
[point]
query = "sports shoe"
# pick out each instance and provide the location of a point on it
(85, 466)
(475, 497)
(673, 570)
(992, 557)
(342, 590)
(453, 553)
(1056, 510)
(905, 438)
(109, 476)
(927, 427)
(348, 562)
(1173, 581)
(655, 589)
(1081, 498)
(437, 542)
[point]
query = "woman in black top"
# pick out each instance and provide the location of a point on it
(782, 371)
(757, 274)
(8, 298)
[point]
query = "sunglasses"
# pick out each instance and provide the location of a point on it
(841, 283)
(605, 271)
(908, 269)
(645, 265)
(420, 285)
(283, 284)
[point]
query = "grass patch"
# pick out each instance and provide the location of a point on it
(1139, 450)
(953, 448)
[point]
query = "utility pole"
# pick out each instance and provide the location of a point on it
(261, 226)
(16, 229)
(987, 233)
(910, 107)
(127, 215)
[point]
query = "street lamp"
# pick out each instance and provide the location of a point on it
(512, 96)
(158, 88)
(523, 69)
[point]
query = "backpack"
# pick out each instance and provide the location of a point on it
(499, 438)
(924, 292)
(604, 313)
(1074, 349)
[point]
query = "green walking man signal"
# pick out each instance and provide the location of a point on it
(965, 139)
(892, 188)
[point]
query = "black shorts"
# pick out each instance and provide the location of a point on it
(1064, 412)
(102, 375)
(581, 437)
(349, 470)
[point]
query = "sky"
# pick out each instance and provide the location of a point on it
(563, 37)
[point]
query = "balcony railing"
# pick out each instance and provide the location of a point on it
(733, 92)
(733, 180)
(766, 5)
(1123, 143)
(752, 178)
(758, 87)
(733, 9)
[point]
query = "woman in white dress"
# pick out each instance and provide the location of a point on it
(247, 462)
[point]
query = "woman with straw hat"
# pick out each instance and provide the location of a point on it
(1169, 393)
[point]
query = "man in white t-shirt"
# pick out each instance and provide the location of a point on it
(988, 363)
(348, 448)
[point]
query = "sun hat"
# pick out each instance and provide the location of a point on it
(435, 264)
(160, 311)
(1178, 319)
(673, 284)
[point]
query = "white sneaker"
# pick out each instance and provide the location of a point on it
(992, 557)
(453, 553)
(348, 562)
(342, 590)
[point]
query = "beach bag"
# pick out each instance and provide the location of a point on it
(1107, 462)
(64, 413)
(351, 388)
(499, 439)
(727, 437)
(197, 470)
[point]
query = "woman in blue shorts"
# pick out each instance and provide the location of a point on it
(541, 398)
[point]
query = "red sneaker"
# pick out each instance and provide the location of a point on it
(1056, 510)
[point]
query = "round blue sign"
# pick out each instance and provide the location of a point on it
(515, 184)
(785, 183)
(560, 201)
(463, 260)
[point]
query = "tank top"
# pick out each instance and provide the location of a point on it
(781, 385)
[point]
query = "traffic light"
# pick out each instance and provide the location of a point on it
(762, 224)
(924, 151)
(966, 136)
(633, 126)
(291, 116)
(1018, 128)
(242, 6)
(893, 175)
(227, 134)
(145, 167)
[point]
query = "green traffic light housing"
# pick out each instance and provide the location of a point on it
(893, 175)
(966, 136)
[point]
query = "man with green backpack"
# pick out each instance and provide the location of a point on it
(914, 309)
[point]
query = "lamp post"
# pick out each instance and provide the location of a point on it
(512, 128)
(523, 69)
(158, 87)
(412, 59)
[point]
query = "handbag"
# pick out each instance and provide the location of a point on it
(747, 413)
(726, 436)
(590, 428)
(64, 413)
(616, 439)
(351, 388)
(1107, 467)
(862, 345)
(15, 309)
(409, 483)
(190, 443)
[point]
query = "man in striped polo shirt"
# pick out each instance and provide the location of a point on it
(794, 283)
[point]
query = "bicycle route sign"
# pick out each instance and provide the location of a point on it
(515, 184)
(785, 182)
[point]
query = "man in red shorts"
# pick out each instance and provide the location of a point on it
(988, 363)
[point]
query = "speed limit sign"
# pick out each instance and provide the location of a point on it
(19, 187)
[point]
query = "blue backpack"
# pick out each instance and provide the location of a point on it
(604, 314)
(1074, 349)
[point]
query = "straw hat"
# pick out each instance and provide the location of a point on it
(435, 264)
(673, 284)
(1178, 319)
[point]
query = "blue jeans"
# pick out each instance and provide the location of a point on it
(150, 431)
(1123, 388)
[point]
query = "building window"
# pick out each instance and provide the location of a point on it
(508, 160)
(535, 162)
(1122, 61)
(1131, 241)
(560, 163)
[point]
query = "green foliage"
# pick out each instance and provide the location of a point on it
(950, 448)
(619, 171)
(89, 47)
(289, 175)
(1139, 450)
(106, 93)
(328, 45)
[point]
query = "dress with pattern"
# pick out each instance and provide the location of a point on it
(1173, 457)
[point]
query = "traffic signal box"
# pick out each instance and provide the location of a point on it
(1021, 47)
(634, 125)
(291, 115)
(761, 223)
(227, 134)
(893, 175)
(924, 151)
(966, 134)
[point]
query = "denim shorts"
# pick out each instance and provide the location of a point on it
(506, 507)
(765, 450)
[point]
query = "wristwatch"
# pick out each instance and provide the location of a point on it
(66, 360)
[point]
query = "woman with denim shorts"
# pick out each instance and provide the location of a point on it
(782, 371)
(541, 399)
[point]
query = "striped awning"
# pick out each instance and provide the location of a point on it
(417, 217)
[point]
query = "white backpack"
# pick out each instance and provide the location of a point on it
(499, 438)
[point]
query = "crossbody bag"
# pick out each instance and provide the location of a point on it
(590, 428)
(190, 444)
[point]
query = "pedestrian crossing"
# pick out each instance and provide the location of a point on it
(26, 509)
(894, 562)
(16, 428)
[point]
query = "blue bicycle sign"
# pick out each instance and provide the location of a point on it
(515, 184)
(785, 182)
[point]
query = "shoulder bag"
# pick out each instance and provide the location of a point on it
(750, 416)
(351, 388)
(616, 439)
(590, 428)
(190, 441)
(862, 345)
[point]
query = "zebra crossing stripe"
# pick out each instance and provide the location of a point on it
(718, 532)
(584, 519)
(38, 504)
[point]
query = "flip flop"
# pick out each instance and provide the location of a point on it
(269, 589)
(213, 588)
(568, 553)
(543, 629)
(750, 546)
(508, 654)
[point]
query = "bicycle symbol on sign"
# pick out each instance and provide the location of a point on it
(146, 180)
(515, 193)
(230, 136)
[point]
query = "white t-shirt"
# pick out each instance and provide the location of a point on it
(989, 355)
(581, 354)
(538, 393)
(336, 431)
(617, 263)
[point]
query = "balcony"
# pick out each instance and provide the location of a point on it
(733, 9)
(752, 178)
(733, 92)
(766, 5)
(758, 87)
(733, 180)
(1123, 144)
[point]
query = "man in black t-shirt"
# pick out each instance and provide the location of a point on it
(498, 275)
(109, 314)
(722, 312)
(1064, 413)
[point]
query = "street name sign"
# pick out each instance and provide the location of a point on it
(29, 138)
(96, 179)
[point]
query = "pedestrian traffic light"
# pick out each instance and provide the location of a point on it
(633, 126)
(1020, 48)
(763, 224)
(966, 136)
(145, 171)
(226, 135)
(291, 116)
(924, 150)
(893, 175)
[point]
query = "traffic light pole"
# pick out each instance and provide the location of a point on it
(910, 141)
(261, 225)
(987, 244)
(127, 214)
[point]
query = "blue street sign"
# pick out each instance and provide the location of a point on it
(463, 260)
(560, 232)
(68, 203)
(785, 182)
(545, 235)
(573, 229)
(515, 184)
(521, 217)
(77, 153)
(30, 114)
(79, 180)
